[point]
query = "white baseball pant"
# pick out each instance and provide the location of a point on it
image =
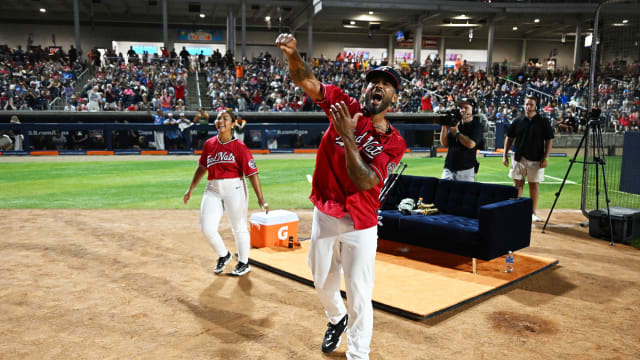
(335, 245)
(230, 195)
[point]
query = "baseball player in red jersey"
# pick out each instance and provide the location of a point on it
(226, 159)
(356, 152)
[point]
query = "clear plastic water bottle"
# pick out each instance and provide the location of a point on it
(508, 262)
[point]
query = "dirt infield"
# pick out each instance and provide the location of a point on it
(97, 284)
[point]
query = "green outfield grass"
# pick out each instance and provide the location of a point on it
(160, 184)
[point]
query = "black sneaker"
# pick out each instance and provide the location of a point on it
(241, 269)
(333, 335)
(222, 262)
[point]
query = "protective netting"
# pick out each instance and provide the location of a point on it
(617, 92)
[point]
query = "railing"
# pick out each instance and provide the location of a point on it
(256, 135)
(54, 103)
(198, 89)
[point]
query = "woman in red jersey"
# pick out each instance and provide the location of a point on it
(227, 161)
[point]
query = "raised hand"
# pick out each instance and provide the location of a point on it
(287, 43)
(343, 122)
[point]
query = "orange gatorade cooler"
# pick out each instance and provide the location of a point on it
(274, 228)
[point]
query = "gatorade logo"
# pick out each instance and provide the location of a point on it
(283, 233)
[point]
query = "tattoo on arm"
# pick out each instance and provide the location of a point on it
(300, 73)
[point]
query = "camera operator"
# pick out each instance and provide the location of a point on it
(461, 135)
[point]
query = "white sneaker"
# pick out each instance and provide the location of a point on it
(535, 218)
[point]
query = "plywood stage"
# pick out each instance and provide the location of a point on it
(413, 281)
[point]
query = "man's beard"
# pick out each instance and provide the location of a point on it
(375, 109)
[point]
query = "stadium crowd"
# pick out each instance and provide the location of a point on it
(32, 79)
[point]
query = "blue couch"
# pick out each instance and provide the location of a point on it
(477, 220)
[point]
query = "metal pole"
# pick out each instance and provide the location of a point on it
(165, 25)
(576, 47)
(417, 46)
(523, 54)
(491, 37)
(310, 34)
(443, 54)
(76, 25)
(243, 10)
(231, 31)
(390, 50)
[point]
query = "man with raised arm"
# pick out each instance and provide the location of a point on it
(357, 151)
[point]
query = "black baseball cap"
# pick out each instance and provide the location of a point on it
(466, 100)
(389, 72)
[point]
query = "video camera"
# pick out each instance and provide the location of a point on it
(449, 117)
(592, 117)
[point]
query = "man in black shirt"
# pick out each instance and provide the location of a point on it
(533, 138)
(462, 140)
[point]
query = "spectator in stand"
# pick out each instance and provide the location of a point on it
(625, 123)
(69, 106)
(426, 105)
(59, 140)
(158, 135)
(172, 134)
(80, 139)
(202, 118)
(184, 55)
(166, 102)
(238, 129)
(183, 125)
(95, 99)
(180, 90)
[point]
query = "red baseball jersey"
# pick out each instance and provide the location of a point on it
(227, 160)
(332, 191)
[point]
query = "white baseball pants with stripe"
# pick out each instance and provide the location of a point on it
(335, 245)
(228, 195)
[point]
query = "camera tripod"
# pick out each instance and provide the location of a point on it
(592, 140)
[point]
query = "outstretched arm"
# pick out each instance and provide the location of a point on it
(255, 183)
(197, 176)
(299, 71)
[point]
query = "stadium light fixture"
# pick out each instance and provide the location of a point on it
(202, 15)
(43, 10)
(515, 28)
(625, 21)
(267, 18)
(536, 20)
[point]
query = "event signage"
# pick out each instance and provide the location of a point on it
(200, 35)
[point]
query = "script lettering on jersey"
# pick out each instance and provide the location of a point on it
(371, 146)
(220, 157)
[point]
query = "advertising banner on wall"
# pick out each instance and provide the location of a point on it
(200, 35)
(427, 43)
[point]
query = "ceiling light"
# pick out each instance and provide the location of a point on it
(202, 15)
(462, 17)
(43, 10)
(352, 22)
(536, 21)
(461, 25)
(370, 12)
(515, 28)
(267, 18)
(625, 21)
